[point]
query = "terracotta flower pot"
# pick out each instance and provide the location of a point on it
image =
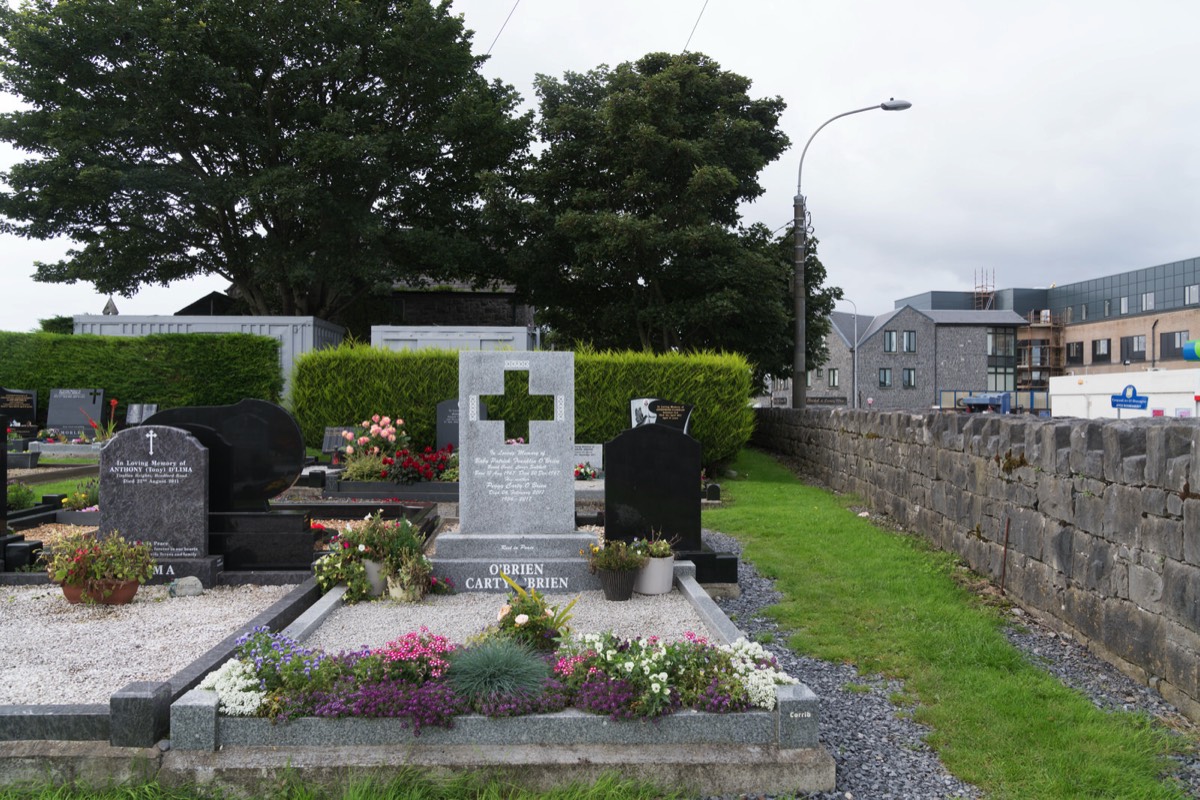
(109, 593)
(617, 584)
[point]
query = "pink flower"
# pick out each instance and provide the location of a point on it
(375, 418)
(363, 439)
(349, 450)
(392, 438)
(521, 619)
(385, 421)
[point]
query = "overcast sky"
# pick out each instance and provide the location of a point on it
(1048, 142)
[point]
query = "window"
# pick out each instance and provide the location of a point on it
(1148, 301)
(1171, 344)
(909, 377)
(808, 379)
(1133, 348)
(885, 378)
(1100, 351)
(910, 341)
(1001, 359)
(1074, 352)
(1082, 312)
(1124, 305)
(832, 373)
(1191, 294)
(1108, 308)
(889, 341)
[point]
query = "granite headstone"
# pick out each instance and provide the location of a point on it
(154, 488)
(655, 411)
(19, 406)
(256, 450)
(590, 454)
(137, 413)
(652, 486)
(73, 410)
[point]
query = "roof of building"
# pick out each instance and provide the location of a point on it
(984, 318)
(844, 325)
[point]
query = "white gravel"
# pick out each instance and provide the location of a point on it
(461, 616)
(52, 652)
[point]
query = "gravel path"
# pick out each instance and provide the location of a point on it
(881, 753)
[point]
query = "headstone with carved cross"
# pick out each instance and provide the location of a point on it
(516, 501)
(154, 488)
(72, 411)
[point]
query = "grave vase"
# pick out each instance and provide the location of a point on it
(617, 584)
(375, 576)
(656, 577)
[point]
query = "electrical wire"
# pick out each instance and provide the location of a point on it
(505, 25)
(697, 25)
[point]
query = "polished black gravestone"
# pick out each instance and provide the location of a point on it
(256, 451)
(655, 411)
(652, 488)
(154, 488)
(447, 421)
(19, 406)
(72, 411)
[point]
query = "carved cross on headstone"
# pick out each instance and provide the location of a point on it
(150, 435)
(95, 393)
(495, 401)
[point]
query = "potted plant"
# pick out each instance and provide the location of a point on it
(527, 618)
(107, 570)
(658, 574)
(617, 564)
(81, 506)
(376, 554)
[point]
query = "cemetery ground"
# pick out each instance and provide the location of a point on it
(854, 592)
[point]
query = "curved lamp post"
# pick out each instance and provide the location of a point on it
(799, 289)
(853, 356)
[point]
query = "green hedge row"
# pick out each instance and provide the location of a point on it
(344, 385)
(172, 370)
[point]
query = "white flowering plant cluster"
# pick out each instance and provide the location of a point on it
(237, 686)
(649, 677)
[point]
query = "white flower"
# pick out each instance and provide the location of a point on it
(236, 686)
(654, 687)
(521, 619)
(362, 548)
(629, 666)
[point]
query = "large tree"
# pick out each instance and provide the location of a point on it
(633, 205)
(308, 151)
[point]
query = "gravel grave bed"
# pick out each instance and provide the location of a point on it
(57, 653)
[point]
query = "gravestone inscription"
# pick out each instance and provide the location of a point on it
(652, 486)
(655, 411)
(20, 406)
(72, 411)
(154, 488)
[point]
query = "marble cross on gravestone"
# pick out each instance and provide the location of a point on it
(516, 488)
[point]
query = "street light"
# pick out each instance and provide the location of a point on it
(854, 357)
(800, 223)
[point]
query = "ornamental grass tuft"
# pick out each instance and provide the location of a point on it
(495, 668)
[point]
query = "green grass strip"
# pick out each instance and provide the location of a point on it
(886, 603)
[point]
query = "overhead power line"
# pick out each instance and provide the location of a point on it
(505, 25)
(693, 33)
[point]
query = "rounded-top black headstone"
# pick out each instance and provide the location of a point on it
(259, 442)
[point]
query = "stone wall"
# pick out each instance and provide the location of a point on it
(1103, 516)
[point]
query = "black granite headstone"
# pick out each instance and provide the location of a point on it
(256, 450)
(333, 440)
(654, 411)
(73, 410)
(19, 405)
(651, 483)
(154, 488)
(447, 421)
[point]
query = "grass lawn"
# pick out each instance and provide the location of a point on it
(886, 603)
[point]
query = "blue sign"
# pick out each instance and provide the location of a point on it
(1129, 398)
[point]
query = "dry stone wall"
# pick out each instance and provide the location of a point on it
(1103, 516)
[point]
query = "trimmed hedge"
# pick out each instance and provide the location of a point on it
(344, 385)
(170, 369)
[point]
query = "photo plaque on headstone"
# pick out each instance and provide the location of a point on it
(73, 410)
(655, 411)
(19, 405)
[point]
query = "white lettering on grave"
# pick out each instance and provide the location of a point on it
(514, 570)
(529, 582)
(149, 472)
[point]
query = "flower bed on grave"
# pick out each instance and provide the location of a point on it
(421, 688)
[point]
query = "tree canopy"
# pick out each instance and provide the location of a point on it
(633, 212)
(307, 151)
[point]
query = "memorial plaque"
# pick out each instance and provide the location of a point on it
(652, 486)
(73, 410)
(654, 411)
(154, 488)
(256, 450)
(590, 454)
(516, 488)
(447, 421)
(20, 406)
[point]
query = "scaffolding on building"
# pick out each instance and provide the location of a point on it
(985, 290)
(1041, 350)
